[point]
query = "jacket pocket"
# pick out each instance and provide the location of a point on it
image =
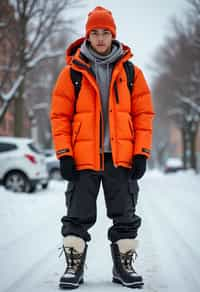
(75, 130)
(131, 126)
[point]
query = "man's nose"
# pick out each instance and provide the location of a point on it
(100, 37)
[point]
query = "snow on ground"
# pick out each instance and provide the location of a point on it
(169, 252)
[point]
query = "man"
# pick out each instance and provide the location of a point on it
(102, 133)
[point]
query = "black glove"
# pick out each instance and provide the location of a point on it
(67, 167)
(139, 166)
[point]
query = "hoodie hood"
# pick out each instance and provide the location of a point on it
(114, 55)
(74, 49)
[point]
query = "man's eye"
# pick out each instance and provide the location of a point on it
(107, 33)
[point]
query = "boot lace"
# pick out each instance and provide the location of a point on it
(73, 259)
(128, 259)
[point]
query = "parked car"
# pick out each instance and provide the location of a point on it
(48, 152)
(173, 164)
(23, 165)
(53, 165)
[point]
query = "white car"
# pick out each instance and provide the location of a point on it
(173, 164)
(22, 165)
(53, 164)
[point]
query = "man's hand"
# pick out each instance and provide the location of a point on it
(67, 167)
(139, 166)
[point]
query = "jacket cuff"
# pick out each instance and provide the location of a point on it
(143, 151)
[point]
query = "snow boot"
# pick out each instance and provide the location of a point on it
(123, 255)
(75, 250)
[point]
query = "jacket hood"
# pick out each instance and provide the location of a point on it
(74, 47)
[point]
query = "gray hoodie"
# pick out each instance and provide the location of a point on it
(102, 66)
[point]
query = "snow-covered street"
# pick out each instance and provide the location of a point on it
(169, 253)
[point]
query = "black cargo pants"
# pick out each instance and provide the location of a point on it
(120, 196)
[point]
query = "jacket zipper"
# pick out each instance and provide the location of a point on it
(101, 146)
(116, 92)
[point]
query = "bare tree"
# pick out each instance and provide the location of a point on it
(177, 83)
(35, 23)
(39, 84)
(194, 20)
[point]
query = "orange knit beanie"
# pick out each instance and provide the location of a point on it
(100, 18)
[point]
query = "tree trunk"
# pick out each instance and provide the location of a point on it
(184, 141)
(19, 112)
(193, 135)
(189, 147)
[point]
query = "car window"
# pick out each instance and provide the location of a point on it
(48, 154)
(4, 147)
(35, 148)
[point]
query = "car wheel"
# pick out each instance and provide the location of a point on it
(17, 181)
(55, 174)
(45, 185)
(32, 188)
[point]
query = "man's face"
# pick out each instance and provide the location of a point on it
(101, 40)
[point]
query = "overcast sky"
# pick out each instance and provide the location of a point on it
(141, 24)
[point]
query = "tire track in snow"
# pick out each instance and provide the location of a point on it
(182, 262)
(149, 264)
(38, 270)
(26, 252)
(177, 211)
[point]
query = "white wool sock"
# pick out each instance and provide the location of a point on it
(127, 244)
(74, 241)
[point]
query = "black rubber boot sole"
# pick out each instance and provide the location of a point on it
(129, 285)
(65, 285)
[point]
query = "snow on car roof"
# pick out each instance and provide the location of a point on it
(15, 139)
(174, 162)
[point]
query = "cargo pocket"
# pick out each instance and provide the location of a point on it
(69, 193)
(133, 190)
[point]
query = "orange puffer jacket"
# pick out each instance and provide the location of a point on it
(80, 134)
